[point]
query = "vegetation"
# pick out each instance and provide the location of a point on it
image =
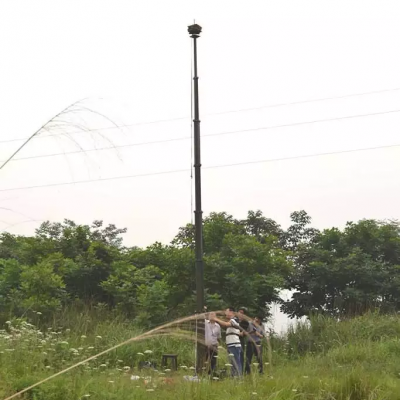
(71, 291)
(247, 262)
(355, 359)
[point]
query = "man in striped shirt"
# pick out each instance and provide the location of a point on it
(233, 334)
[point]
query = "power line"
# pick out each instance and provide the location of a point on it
(215, 113)
(210, 167)
(306, 101)
(99, 129)
(210, 135)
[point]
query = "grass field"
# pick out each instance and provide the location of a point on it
(354, 359)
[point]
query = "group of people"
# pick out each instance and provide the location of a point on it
(243, 340)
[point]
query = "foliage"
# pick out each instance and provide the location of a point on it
(247, 262)
(66, 262)
(324, 360)
(347, 273)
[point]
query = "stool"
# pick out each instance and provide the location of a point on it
(173, 358)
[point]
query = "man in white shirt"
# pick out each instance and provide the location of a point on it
(233, 334)
(212, 337)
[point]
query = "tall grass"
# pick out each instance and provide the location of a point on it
(325, 359)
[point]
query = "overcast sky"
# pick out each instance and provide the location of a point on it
(131, 61)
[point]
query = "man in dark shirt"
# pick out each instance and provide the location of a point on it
(254, 345)
(244, 325)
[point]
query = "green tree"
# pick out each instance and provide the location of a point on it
(10, 286)
(152, 303)
(347, 272)
(244, 264)
(41, 289)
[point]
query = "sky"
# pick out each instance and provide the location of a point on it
(269, 73)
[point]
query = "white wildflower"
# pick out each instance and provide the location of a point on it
(148, 352)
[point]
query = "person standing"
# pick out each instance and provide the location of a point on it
(244, 325)
(233, 334)
(212, 337)
(254, 345)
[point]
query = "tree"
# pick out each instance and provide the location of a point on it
(347, 272)
(42, 290)
(299, 233)
(244, 264)
(152, 303)
(10, 285)
(127, 286)
(260, 227)
(247, 272)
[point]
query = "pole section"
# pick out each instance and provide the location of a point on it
(194, 31)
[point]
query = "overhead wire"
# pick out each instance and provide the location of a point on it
(215, 113)
(204, 167)
(210, 135)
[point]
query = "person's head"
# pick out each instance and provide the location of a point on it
(212, 316)
(258, 320)
(242, 311)
(230, 312)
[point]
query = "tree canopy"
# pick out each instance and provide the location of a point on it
(247, 263)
